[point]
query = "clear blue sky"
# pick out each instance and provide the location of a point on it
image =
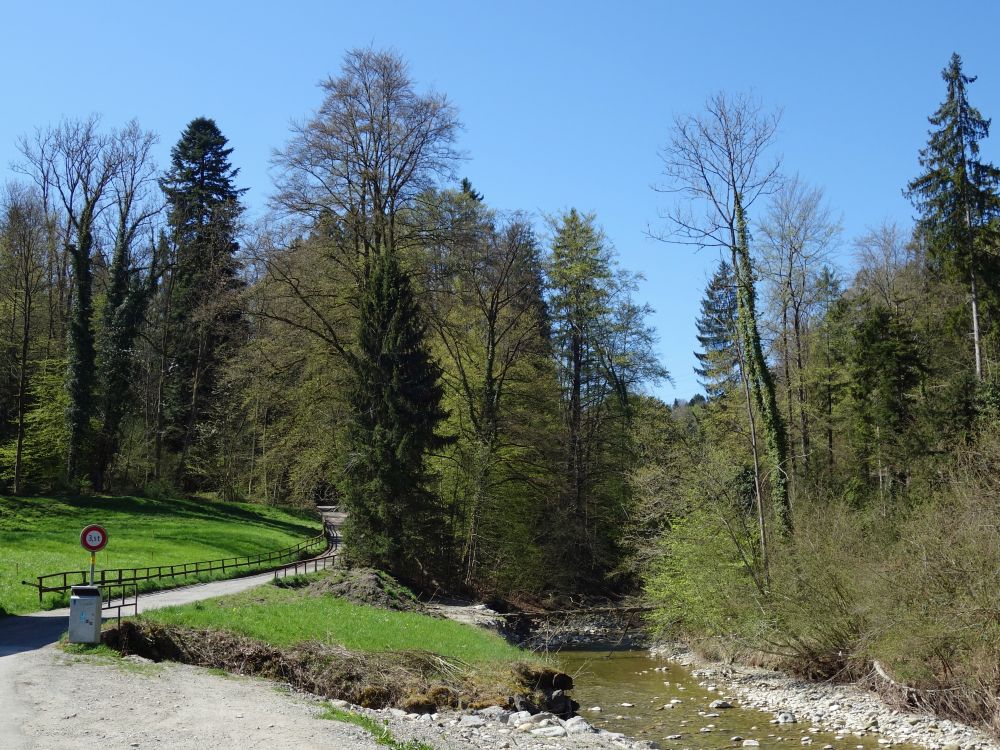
(564, 104)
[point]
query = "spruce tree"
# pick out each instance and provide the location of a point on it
(957, 195)
(395, 402)
(204, 208)
(718, 360)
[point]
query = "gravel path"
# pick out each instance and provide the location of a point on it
(50, 699)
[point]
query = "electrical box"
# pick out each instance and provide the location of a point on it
(85, 614)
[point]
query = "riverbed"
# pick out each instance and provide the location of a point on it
(649, 698)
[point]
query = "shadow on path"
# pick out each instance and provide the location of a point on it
(19, 633)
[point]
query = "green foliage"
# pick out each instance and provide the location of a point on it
(46, 432)
(204, 209)
(718, 360)
(701, 582)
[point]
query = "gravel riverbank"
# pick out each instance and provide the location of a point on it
(846, 709)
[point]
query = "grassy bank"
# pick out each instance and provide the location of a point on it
(41, 535)
(336, 648)
(287, 617)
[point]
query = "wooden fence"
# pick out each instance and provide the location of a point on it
(62, 581)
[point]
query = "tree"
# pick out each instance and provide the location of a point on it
(362, 160)
(718, 360)
(718, 158)
(76, 164)
(130, 288)
(24, 243)
(603, 350)
(485, 298)
(198, 319)
(395, 407)
(798, 234)
(957, 195)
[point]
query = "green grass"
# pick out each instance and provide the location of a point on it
(284, 617)
(379, 732)
(41, 535)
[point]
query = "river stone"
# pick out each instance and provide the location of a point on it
(720, 704)
(951, 746)
(517, 718)
(472, 721)
(494, 713)
(577, 725)
(751, 743)
(549, 732)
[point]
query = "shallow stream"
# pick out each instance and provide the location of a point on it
(654, 699)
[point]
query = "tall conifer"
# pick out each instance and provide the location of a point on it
(957, 195)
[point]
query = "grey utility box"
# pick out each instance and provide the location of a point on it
(85, 614)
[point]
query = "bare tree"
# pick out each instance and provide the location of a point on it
(373, 147)
(717, 159)
(882, 254)
(798, 234)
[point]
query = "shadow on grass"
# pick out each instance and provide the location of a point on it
(27, 510)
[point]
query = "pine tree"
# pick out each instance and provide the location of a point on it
(957, 195)
(204, 207)
(395, 401)
(716, 325)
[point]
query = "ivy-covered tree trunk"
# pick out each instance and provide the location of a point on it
(81, 353)
(758, 374)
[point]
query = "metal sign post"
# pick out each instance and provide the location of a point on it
(85, 601)
(94, 538)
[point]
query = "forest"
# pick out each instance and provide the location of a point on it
(474, 385)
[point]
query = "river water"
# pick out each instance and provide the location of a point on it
(672, 708)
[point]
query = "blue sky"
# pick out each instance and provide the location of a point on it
(565, 104)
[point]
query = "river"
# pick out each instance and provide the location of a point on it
(671, 706)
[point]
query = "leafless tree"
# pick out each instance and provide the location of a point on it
(371, 150)
(797, 236)
(718, 159)
(882, 254)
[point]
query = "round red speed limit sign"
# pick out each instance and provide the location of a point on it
(93, 538)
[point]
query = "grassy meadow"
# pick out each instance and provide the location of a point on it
(40, 535)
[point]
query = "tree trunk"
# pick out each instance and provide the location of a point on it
(760, 377)
(22, 391)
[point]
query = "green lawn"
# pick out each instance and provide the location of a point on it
(42, 535)
(283, 617)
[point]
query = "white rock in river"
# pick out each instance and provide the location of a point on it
(597, 709)
(751, 743)
(628, 705)
(472, 721)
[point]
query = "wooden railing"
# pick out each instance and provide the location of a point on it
(62, 581)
